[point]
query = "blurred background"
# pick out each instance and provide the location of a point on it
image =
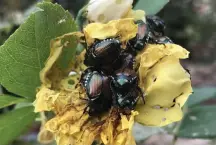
(190, 23)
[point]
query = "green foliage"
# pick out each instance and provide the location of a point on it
(69, 43)
(199, 122)
(200, 95)
(81, 17)
(151, 7)
(24, 53)
(13, 123)
(7, 100)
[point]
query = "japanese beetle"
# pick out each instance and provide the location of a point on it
(125, 89)
(139, 41)
(126, 61)
(150, 32)
(97, 86)
(103, 53)
(156, 26)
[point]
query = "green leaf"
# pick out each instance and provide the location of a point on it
(151, 7)
(23, 55)
(199, 122)
(13, 123)
(79, 48)
(7, 100)
(200, 95)
(81, 17)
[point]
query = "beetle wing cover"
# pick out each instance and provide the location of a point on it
(95, 85)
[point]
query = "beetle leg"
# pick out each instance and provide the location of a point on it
(142, 94)
(114, 83)
(85, 110)
(84, 99)
(160, 43)
(114, 98)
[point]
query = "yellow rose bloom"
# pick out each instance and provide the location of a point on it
(161, 77)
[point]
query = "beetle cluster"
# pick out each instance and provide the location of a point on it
(110, 79)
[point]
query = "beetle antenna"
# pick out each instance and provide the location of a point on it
(113, 96)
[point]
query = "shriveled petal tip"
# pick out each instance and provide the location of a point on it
(69, 122)
(64, 139)
(166, 84)
(124, 136)
(128, 123)
(58, 101)
(118, 130)
(115, 28)
(43, 99)
(45, 136)
(154, 52)
(107, 10)
(136, 14)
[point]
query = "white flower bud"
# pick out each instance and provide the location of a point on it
(106, 10)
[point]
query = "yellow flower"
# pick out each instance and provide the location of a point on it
(61, 93)
(165, 82)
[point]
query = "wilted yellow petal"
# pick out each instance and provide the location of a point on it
(124, 130)
(165, 82)
(57, 101)
(107, 10)
(45, 136)
(136, 14)
(70, 82)
(54, 69)
(88, 135)
(128, 124)
(156, 116)
(121, 138)
(153, 53)
(107, 133)
(64, 139)
(72, 115)
(76, 127)
(78, 65)
(125, 29)
(44, 99)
